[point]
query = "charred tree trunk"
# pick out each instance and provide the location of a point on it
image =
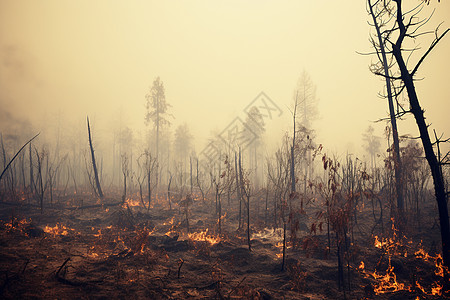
(149, 187)
(94, 165)
(283, 263)
(238, 189)
(31, 170)
(124, 196)
(14, 157)
(190, 173)
(168, 191)
(199, 186)
(438, 180)
(397, 161)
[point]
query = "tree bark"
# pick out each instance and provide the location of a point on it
(438, 180)
(94, 165)
(397, 160)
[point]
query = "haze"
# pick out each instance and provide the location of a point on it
(63, 60)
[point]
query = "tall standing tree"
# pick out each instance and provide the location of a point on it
(372, 145)
(396, 38)
(254, 129)
(380, 16)
(157, 113)
(94, 164)
(183, 143)
(307, 111)
(305, 93)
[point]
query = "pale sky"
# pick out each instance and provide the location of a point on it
(75, 58)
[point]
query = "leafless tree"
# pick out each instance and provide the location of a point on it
(405, 26)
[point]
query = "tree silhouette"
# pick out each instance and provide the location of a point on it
(157, 114)
(397, 35)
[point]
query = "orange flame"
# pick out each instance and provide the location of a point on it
(204, 236)
(132, 202)
(388, 282)
(58, 229)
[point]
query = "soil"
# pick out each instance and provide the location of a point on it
(128, 252)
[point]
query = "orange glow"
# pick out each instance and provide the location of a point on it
(387, 283)
(132, 202)
(383, 242)
(436, 289)
(204, 236)
(170, 222)
(58, 229)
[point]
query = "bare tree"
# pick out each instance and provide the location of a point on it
(396, 36)
(126, 174)
(379, 44)
(14, 157)
(372, 145)
(306, 99)
(254, 130)
(183, 143)
(157, 107)
(94, 165)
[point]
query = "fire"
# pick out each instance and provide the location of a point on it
(436, 290)
(380, 244)
(438, 261)
(204, 236)
(18, 225)
(221, 217)
(279, 245)
(388, 282)
(170, 222)
(132, 202)
(420, 287)
(58, 229)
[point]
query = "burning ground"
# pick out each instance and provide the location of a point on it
(126, 251)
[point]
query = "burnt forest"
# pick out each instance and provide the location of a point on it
(220, 174)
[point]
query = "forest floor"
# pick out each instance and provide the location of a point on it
(127, 252)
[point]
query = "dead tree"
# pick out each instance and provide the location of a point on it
(94, 165)
(14, 157)
(169, 196)
(395, 38)
(381, 52)
(126, 173)
(151, 166)
(198, 184)
(238, 188)
(246, 191)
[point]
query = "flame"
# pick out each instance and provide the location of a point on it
(420, 287)
(388, 282)
(383, 242)
(204, 236)
(438, 261)
(436, 290)
(170, 222)
(58, 229)
(18, 225)
(221, 218)
(132, 202)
